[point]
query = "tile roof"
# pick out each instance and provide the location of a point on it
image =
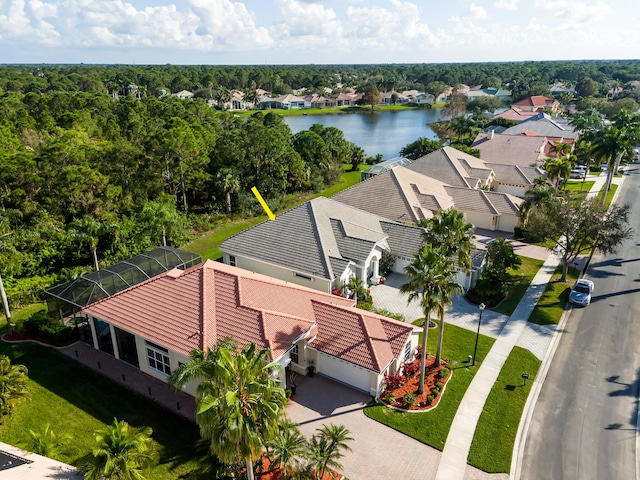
(544, 125)
(515, 174)
(500, 148)
(516, 114)
(195, 308)
(312, 238)
(482, 201)
(452, 167)
(536, 101)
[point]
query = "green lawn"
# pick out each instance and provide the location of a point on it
(573, 186)
(77, 401)
(554, 299)
(497, 427)
(433, 427)
(522, 279)
(331, 110)
(610, 194)
(208, 244)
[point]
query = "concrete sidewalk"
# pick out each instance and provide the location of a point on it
(453, 463)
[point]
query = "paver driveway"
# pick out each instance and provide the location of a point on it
(379, 452)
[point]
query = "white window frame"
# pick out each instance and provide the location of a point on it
(232, 260)
(407, 352)
(294, 354)
(157, 355)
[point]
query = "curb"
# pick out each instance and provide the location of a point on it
(527, 414)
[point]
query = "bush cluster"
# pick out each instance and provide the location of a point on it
(45, 327)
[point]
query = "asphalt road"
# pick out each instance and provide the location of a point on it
(585, 422)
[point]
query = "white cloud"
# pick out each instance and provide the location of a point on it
(509, 5)
(319, 25)
(579, 11)
(477, 11)
(202, 25)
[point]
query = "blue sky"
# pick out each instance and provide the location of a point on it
(314, 31)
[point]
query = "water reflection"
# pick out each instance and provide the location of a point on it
(376, 132)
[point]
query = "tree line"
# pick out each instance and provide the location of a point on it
(85, 172)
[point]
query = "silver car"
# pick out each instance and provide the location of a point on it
(581, 293)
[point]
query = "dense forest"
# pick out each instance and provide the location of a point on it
(101, 158)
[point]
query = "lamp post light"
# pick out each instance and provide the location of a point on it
(475, 349)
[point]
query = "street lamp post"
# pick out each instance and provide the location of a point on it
(475, 349)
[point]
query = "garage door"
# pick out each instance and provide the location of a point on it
(345, 372)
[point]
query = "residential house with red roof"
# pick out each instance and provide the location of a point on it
(538, 103)
(156, 324)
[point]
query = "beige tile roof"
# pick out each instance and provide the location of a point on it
(183, 310)
(482, 201)
(503, 149)
(515, 175)
(452, 167)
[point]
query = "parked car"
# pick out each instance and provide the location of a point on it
(579, 172)
(581, 293)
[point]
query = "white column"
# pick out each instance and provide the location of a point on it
(94, 335)
(116, 353)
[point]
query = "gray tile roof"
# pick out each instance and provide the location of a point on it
(516, 175)
(470, 200)
(319, 238)
(505, 204)
(544, 125)
(403, 240)
(452, 167)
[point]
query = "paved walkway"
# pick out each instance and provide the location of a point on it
(453, 463)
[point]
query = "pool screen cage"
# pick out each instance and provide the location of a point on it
(69, 298)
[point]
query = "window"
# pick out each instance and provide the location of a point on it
(232, 260)
(158, 358)
(407, 352)
(294, 355)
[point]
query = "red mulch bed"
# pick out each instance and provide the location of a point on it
(276, 473)
(411, 386)
(16, 337)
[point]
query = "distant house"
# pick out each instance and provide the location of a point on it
(183, 95)
(544, 125)
(516, 114)
(284, 102)
(418, 97)
(155, 325)
(559, 88)
(347, 99)
(520, 150)
(237, 102)
(386, 98)
(321, 244)
(318, 101)
(495, 92)
(538, 103)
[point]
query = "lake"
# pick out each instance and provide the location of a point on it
(383, 132)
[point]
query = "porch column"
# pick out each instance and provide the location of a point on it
(94, 335)
(116, 353)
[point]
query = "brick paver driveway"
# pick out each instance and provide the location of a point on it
(379, 453)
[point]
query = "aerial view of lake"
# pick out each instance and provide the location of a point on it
(383, 132)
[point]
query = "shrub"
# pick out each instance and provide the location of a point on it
(410, 369)
(439, 386)
(390, 398)
(393, 381)
(43, 326)
(430, 399)
(444, 372)
(409, 400)
(435, 391)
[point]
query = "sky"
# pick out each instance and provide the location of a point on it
(259, 32)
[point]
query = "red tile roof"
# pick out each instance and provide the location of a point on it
(536, 101)
(183, 310)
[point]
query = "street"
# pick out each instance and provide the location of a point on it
(584, 424)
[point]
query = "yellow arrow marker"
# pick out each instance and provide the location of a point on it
(263, 203)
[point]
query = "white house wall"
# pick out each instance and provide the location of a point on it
(507, 223)
(347, 373)
(480, 220)
(323, 285)
(515, 190)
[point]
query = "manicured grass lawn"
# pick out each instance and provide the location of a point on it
(495, 434)
(331, 110)
(208, 244)
(521, 280)
(610, 194)
(433, 427)
(554, 299)
(577, 186)
(77, 401)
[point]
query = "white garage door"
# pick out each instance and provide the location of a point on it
(345, 372)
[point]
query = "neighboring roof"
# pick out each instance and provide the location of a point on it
(544, 125)
(17, 463)
(516, 114)
(107, 281)
(183, 94)
(312, 238)
(452, 167)
(288, 98)
(536, 101)
(500, 148)
(184, 310)
(516, 175)
(481, 201)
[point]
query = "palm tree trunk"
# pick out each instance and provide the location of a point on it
(95, 259)
(164, 236)
(440, 337)
(423, 358)
(5, 303)
(249, 463)
(228, 201)
(610, 175)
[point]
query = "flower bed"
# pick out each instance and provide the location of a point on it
(399, 386)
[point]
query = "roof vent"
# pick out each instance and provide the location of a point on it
(174, 273)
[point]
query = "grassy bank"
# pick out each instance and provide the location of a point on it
(554, 299)
(495, 434)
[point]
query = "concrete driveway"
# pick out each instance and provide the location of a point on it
(484, 237)
(460, 313)
(379, 452)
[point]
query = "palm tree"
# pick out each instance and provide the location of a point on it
(535, 197)
(326, 447)
(121, 453)
(561, 149)
(288, 446)
(239, 402)
(450, 232)
(425, 280)
(356, 286)
(161, 215)
(5, 247)
(45, 442)
(558, 168)
(87, 231)
(13, 384)
(227, 181)
(448, 288)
